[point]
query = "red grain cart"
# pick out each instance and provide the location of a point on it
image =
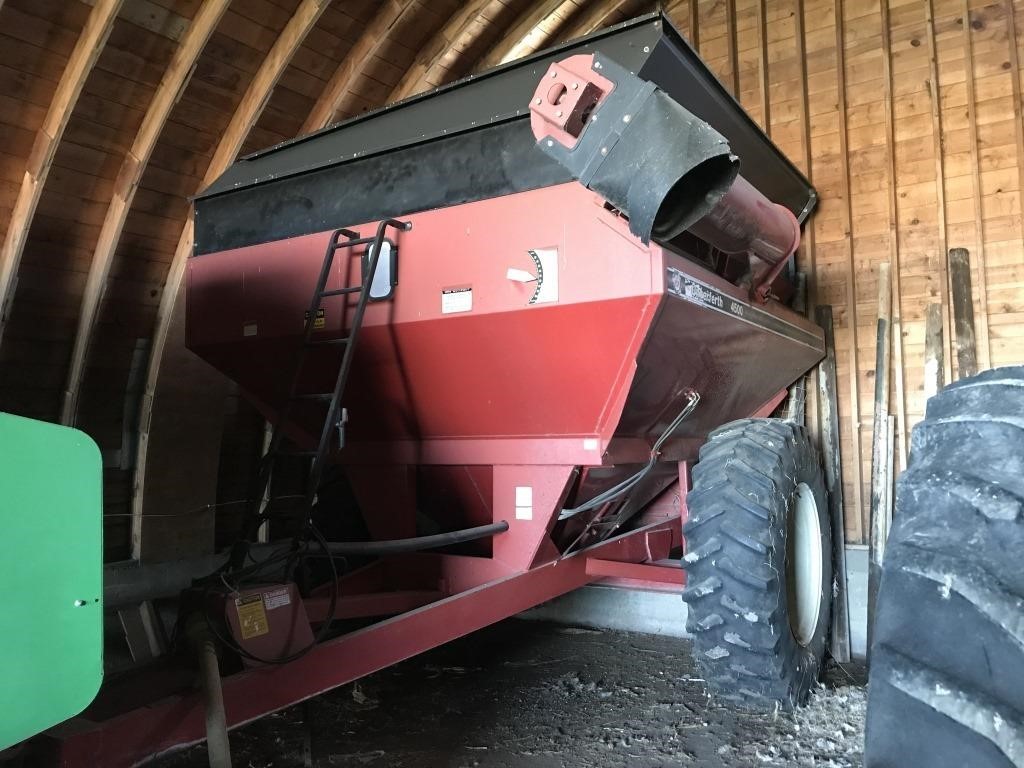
(506, 317)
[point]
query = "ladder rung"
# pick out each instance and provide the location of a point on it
(327, 342)
(339, 244)
(341, 291)
(314, 396)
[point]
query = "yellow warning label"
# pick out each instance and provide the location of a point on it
(320, 321)
(252, 616)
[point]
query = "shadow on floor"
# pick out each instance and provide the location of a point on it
(537, 695)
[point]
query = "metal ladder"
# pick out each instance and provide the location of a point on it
(336, 416)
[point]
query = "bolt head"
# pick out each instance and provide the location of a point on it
(538, 101)
(626, 118)
(575, 86)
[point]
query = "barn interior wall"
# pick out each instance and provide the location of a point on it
(907, 117)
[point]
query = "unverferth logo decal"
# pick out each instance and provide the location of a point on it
(694, 291)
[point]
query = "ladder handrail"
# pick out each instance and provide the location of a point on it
(254, 515)
(330, 423)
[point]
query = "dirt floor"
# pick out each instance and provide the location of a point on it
(536, 695)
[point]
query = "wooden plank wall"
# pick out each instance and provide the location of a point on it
(864, 119)
(36, 39)
(913, 134)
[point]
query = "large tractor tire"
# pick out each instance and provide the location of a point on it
(759, 564)
(946, 685)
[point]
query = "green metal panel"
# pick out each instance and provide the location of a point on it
(51, 571)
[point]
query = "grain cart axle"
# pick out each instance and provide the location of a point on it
(539, 307)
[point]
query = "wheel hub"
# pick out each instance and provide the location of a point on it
(804, 565)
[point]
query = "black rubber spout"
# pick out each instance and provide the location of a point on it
(649, 157)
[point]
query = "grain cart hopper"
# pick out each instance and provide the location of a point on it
(512, 311)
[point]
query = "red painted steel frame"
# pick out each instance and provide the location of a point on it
(178, 721)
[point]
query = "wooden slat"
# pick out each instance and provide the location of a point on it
(846, 218)
(242, 121)
(933, 351)
(894, 234)
(1018, 103)
(417, 78)
(511, 44)
(80, 64)
(978, 256)
(337, 97)
(179, 70)
(805, 255)
(940, 184)
(763, 81)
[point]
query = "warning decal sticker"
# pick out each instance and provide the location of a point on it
(320, 321)
(277, 598)
(456, 300)
(252, 617)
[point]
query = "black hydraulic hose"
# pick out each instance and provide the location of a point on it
(415, 544)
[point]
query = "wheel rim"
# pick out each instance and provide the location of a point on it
(804, 565)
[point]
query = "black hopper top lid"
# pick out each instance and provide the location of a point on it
(649, 46)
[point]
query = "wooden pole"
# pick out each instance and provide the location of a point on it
(963, 312)
(894, 234)
(938, 138)
(764, 82)
(934, 367)
(890, 479)
(734, 63)
(694, 8)
(880, 442)
(846, 217)
(828, 399)
(981, 339)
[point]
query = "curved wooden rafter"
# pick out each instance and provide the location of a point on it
(337, 93)
(87, 50)
(516, 43)
(242, 121)
(593, 18)
(417, 77)
(174, 80)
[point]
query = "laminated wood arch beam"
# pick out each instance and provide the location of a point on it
(80, 63)
(242, 121)
(593, 18)
(168, 92)
(336, 96)
(417, 77)
(513, 44)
